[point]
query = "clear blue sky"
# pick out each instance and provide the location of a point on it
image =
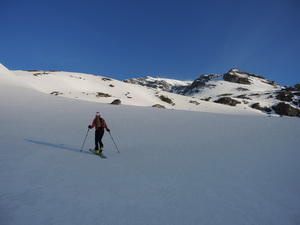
(179, 39)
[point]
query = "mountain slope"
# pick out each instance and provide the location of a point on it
(236, 88)
(243, 92)
(105, 90)
(175, 167)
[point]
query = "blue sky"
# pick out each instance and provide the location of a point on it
(180, 39)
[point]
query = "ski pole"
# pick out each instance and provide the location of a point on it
(113, 141)
(85, 139)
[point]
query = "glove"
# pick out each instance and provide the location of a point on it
(90, 127)
(108, 130)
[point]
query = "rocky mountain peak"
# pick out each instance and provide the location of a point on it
(196, 85)
(235, 88)
(239, 77)
(161, 84)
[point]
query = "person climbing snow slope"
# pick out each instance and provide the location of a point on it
(99, 124)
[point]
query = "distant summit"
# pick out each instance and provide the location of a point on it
(233, 88)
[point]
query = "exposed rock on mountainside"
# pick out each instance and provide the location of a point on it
(227, 101)
(236, 76)
(56, 93)
(158, 106)
(103, 95)
(196, 86)
(158, 83)
(245, 90)
(258, 107)
(116, 102)
(194, 102)
(285, 109)
(285, 96)
(166, 99)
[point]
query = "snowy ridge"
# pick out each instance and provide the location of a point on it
(242, 90)
(100, 89)
(174, 166)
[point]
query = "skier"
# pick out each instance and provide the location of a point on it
(99, 124)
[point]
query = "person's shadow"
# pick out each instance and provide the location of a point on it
(60, 146)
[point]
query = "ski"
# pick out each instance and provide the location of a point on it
(100, 154)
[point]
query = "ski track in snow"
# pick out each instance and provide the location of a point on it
(174, 167)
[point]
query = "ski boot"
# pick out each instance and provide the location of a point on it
(101, 150)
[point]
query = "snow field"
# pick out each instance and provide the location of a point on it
(175, 167)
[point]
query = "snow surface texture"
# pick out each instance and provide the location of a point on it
(175, 167)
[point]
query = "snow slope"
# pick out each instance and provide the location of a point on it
(175, 167)
(87, 87)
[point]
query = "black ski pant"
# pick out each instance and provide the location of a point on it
(98, 138)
